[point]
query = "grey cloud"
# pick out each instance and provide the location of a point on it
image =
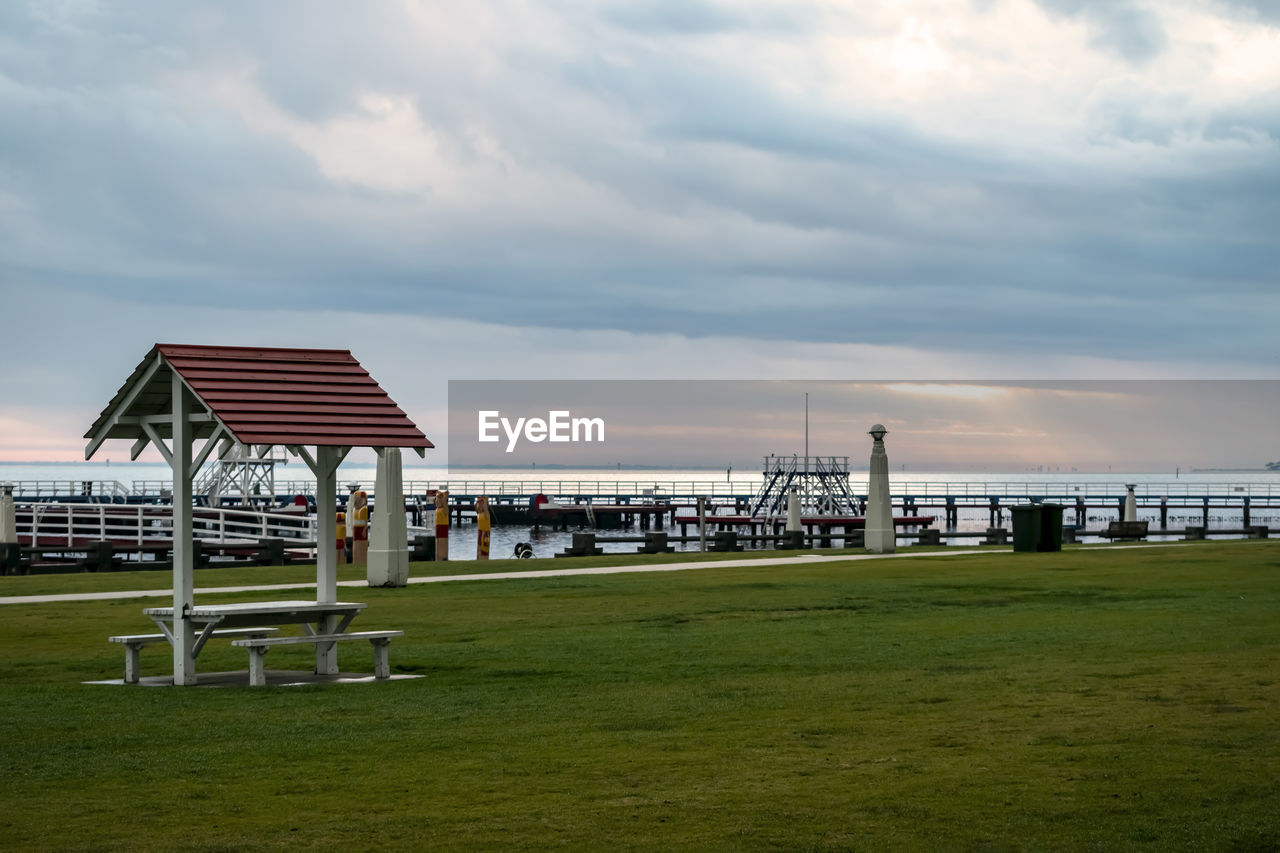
(1258, 10)
(672, 16)
(1130, 421)
(1122, 27)
(698, 17)
(719, 207)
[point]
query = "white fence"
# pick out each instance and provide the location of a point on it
(658, 488)
(104, 490)
(107, 490)
(1148, 491)
(58, 523)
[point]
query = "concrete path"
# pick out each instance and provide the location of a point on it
(539, 573)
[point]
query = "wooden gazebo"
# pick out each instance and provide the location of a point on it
(318, 404)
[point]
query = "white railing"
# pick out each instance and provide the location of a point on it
(657, 489)
(226, 524)
(1116, 489)
(95, 489)
(153, 488)
(712, 488)
(722, 488)
(59, 523)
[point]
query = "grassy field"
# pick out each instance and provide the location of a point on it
(134, 580)
(1092, 699)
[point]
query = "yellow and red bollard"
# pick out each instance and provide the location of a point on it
(341, 537)
(360, 528)
(442, 525)
(482, 528)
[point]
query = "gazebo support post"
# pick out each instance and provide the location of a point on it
(184, 635)
(326, 526)
(325, 467)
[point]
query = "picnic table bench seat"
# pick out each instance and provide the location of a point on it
(259, 646)
(134, 643)
(1126, 530)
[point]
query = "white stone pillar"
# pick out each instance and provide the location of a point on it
(326, 471)
(8, 517)
(1130, 503)
(8, 530)
(793, 510)
(879, 530)
(388, 534)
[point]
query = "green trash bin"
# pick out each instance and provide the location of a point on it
(1026, 527)
(1050, 527)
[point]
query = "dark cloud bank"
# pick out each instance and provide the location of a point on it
(676, 191)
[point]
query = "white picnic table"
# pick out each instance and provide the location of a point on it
(317, 619)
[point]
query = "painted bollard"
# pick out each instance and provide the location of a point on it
(442, 525)
(360, 528)
(340, 538)
(483, 523)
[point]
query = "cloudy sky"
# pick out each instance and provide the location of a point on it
(1087, 426)
(670, 188)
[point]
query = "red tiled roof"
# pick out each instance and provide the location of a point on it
(281, 396)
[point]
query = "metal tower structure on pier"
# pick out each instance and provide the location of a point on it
(822, 482)
(240, 474)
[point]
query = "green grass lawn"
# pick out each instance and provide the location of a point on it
(40, 584)
(1091, 699)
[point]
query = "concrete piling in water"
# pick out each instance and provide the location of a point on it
(702, 524)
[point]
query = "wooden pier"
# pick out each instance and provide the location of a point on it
(73, 516)
(650, 503)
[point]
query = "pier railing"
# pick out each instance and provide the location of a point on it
(1116, 489)
(105, 490)
(657, 489)
(109, 490)
(740, 488)
(52, 524)
(595, 488)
